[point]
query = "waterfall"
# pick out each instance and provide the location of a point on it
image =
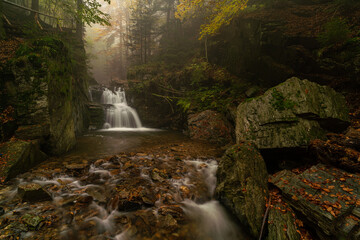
(118, 113)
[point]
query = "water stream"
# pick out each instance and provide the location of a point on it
(131, 195)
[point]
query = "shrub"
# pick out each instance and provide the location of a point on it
(335, 31)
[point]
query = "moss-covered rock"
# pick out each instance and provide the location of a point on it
(291, 114)
(45, 95)
(281, 225)
(17, 157)
(242, 184)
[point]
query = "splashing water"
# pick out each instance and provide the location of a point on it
(119, 114)
(211, 217)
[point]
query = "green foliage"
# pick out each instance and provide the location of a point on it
(335, 31)
(184, 104)
(279, 102)
(89, 13)
(211, 87)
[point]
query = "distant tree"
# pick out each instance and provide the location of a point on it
(142, 26)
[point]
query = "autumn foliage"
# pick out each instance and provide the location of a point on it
(218, 13)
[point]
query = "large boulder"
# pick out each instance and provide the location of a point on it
(17, 157)
(210, 126)
(291, 114)
(242, 184)
(327, 197)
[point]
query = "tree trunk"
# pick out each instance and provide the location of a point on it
(145, 45)
(79, 23)
(2, 31)
(34, 6)
(206, 50)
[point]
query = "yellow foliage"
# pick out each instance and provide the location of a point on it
(219, 12)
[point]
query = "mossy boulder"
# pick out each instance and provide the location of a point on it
(18, 157)
(242, 184)
(291, 114)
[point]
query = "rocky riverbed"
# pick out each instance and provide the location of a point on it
(163, 191)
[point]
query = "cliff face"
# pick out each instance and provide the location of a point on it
(47, 95)
(267, 45)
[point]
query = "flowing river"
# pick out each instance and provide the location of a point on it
(120, 185)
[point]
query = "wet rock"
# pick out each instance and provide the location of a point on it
(136, 198)
(97, 193)
(210, 126)
(97, 115)
(32, 132)
(242, 184)
(76, 166)
(32, 192)
(18, 157)
(281, 225)
(158, 175)
(351, 139)
(86, 199)
(168, 222)
(327, 197)
(32, 221)
(334, 154)
(291, 114)
(65, 200)
(174, 210)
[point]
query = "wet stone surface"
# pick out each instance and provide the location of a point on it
(328, 198)
(126, 196)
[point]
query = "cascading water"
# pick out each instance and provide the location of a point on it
(118, 113)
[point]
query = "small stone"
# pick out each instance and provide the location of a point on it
(32, 220)
(156, 176)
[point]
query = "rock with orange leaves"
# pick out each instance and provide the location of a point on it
(329, 199)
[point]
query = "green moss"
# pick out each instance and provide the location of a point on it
(279, 102)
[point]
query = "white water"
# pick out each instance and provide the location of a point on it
(119, 115)
(212, 220)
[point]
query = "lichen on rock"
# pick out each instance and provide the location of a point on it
(291, 114)
(242, 184)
